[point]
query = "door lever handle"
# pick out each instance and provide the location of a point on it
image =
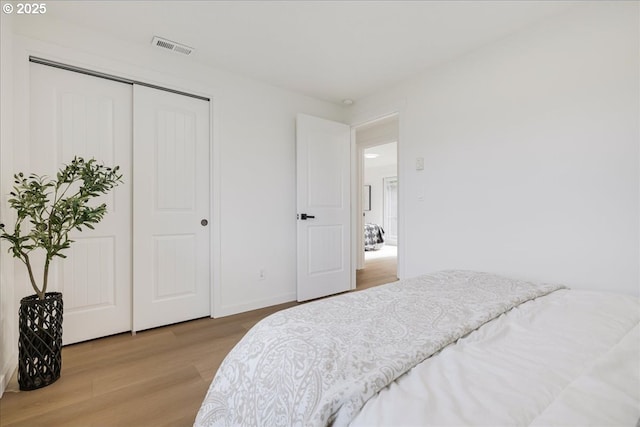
(304, 216)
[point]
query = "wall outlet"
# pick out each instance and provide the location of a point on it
(261, 274)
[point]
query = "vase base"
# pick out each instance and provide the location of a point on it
(40, 341)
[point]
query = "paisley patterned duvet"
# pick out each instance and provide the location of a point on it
(319, 363)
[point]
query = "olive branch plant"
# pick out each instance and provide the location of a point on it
(53, 208)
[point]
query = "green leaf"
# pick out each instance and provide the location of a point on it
(47, 209)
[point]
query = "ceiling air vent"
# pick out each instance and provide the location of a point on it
(169, 45)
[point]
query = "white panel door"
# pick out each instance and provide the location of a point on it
(74, 114)
(323, 150)
(171, 208)
(390, 210)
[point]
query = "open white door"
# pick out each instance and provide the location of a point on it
(75, 114)
(170, 209)
(323, 203)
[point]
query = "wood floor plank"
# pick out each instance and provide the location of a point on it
(376, 272)
(154, 378)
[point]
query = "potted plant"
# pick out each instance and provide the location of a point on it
(47, 210)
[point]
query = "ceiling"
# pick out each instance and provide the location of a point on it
(387, 155)
(331, 50)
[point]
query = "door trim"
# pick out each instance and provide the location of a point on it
(357, 179)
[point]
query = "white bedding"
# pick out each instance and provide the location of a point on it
(318, 363)
(568, 358)
(548, 357)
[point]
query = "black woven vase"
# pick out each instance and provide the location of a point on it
(40, 341)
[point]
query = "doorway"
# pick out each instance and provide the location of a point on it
(377, 148)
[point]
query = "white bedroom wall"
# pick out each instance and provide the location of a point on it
(531, 154)
(8, 320)
(254, 149)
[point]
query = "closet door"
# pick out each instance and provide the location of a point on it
(74, 114)
(171, 208)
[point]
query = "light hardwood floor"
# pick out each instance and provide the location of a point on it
(376, 272)
(155, 378)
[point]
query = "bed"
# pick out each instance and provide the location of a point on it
(373, 237)
(449, 348)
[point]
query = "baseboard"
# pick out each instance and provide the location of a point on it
(6, 374)
(228, 310)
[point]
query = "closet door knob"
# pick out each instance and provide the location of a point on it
(204, 222)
